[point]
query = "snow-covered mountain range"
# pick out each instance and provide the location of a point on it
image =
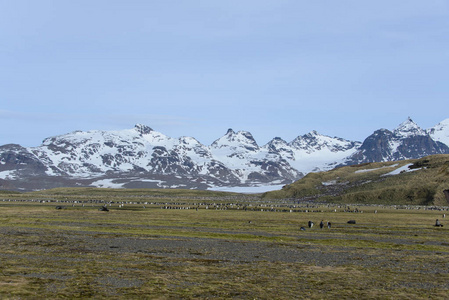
(143, 157)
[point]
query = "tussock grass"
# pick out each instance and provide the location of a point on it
(368, 183)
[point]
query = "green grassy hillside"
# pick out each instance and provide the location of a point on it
(422, 183)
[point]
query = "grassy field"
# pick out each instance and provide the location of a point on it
(151, 245)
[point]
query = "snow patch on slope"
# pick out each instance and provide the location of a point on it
(440, 132)
(107, 183)
(401, 170)
(8, 175)
(369, 170)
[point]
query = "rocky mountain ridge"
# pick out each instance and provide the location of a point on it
(407, 141)
(144, 158)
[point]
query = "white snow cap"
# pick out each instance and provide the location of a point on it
(236, 139)
(440, 132)
(409, 128)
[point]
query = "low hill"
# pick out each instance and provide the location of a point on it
(414, 182)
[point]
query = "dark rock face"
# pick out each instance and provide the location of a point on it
(408, 141)
(170, 162)
(143, 129)
(384, 146)
(16, 157)
(419, 146)
(278, 145)
(374, 148)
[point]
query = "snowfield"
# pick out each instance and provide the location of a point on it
(247, 189)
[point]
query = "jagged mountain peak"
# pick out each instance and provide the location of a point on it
(236, 139)
(379, 132)
(316, 141)
(280, 146)
(277, 140)
(143, 129)
(230, 132)
(188, 140)
(408, 128)
(313, 133)
(276, 144)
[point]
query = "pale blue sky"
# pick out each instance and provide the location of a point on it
(197, 68)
